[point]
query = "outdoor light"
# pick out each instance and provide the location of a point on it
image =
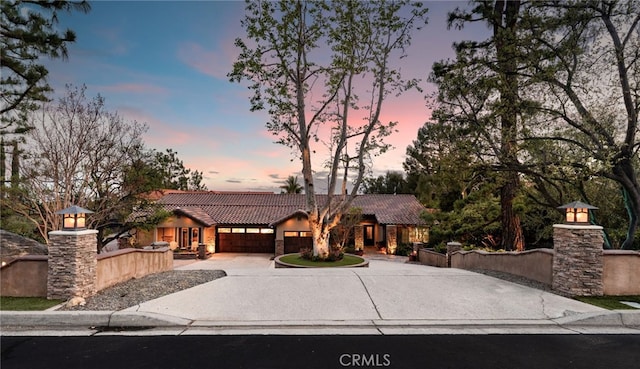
(74, 218)
(577, 212)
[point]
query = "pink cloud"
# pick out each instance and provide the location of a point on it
(211, 63)
(138, 88)
(160, 133)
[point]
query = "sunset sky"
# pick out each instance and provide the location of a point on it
(164, 63)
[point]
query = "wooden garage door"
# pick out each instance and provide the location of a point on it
(246, 239)
(294, 241)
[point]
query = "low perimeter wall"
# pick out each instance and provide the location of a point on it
(432, 258)
(26, 276)
(532, 264)
(621, 272)
(122, 265)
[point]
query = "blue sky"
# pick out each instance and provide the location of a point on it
(164, 63)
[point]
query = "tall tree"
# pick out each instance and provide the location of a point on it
(586, 60)
(167, 171)
(390, 183)
(483, 85)
(29, 32)
(291, 185)
(308, 63)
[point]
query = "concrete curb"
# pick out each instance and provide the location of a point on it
(88, 319)
(67, 319)
(623, 319)
(133, 319)
(620, 318)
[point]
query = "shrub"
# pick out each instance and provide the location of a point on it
(335, 253)
(404, 249)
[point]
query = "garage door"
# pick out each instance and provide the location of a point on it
(294, 241)
(245, 239)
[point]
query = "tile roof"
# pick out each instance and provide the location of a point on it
(266, 208)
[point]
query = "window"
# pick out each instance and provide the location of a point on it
(224, 230)
(253, 230)
(290, 234)
(237, 230)
(305, 234)
(266, 230)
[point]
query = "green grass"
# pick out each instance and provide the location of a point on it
(26, 303)
(297, 260)
(610, 302)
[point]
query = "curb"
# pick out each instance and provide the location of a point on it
(88, 319)
(622, 319)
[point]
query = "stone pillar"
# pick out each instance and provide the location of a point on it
(392, 239)
(451, 248)
(578, 260)
(279, 247)
(358, 232)
(72, 264)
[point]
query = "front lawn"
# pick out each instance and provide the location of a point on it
(345, 261)
(26, 303)
(610, 302)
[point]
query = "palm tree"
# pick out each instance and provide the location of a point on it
(291, 185)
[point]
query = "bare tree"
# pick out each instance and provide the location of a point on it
(77, 153)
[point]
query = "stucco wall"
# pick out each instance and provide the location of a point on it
(432, 258)
(533, 264)
(122, 265)
(292, 224)
(621, 274)
(25, 276)
(179, 221)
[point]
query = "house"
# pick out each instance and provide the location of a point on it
(258, 222)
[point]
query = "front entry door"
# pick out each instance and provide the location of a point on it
(369, 239)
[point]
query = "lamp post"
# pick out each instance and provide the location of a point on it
(74, 218)
(72, 260)
(578, 261)
(577, 212)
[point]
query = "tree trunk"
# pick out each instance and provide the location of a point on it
(512, 235)
(504, 29)
(320, 240)
(631, 195)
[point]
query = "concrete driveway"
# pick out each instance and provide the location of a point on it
(387, 295)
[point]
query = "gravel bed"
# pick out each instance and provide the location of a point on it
(139, 290)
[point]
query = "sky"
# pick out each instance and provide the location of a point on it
(164, 64)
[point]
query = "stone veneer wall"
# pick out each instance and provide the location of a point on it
(359, 237)
(72, 264)
(279, 247)
(578, 260)
(392, 239)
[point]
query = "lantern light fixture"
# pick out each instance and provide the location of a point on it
(74, 218)
(577, 212)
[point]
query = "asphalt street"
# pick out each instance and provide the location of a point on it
(284, 352)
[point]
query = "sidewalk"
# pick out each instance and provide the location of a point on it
(386, 298)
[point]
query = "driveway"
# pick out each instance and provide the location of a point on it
(388, 293)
